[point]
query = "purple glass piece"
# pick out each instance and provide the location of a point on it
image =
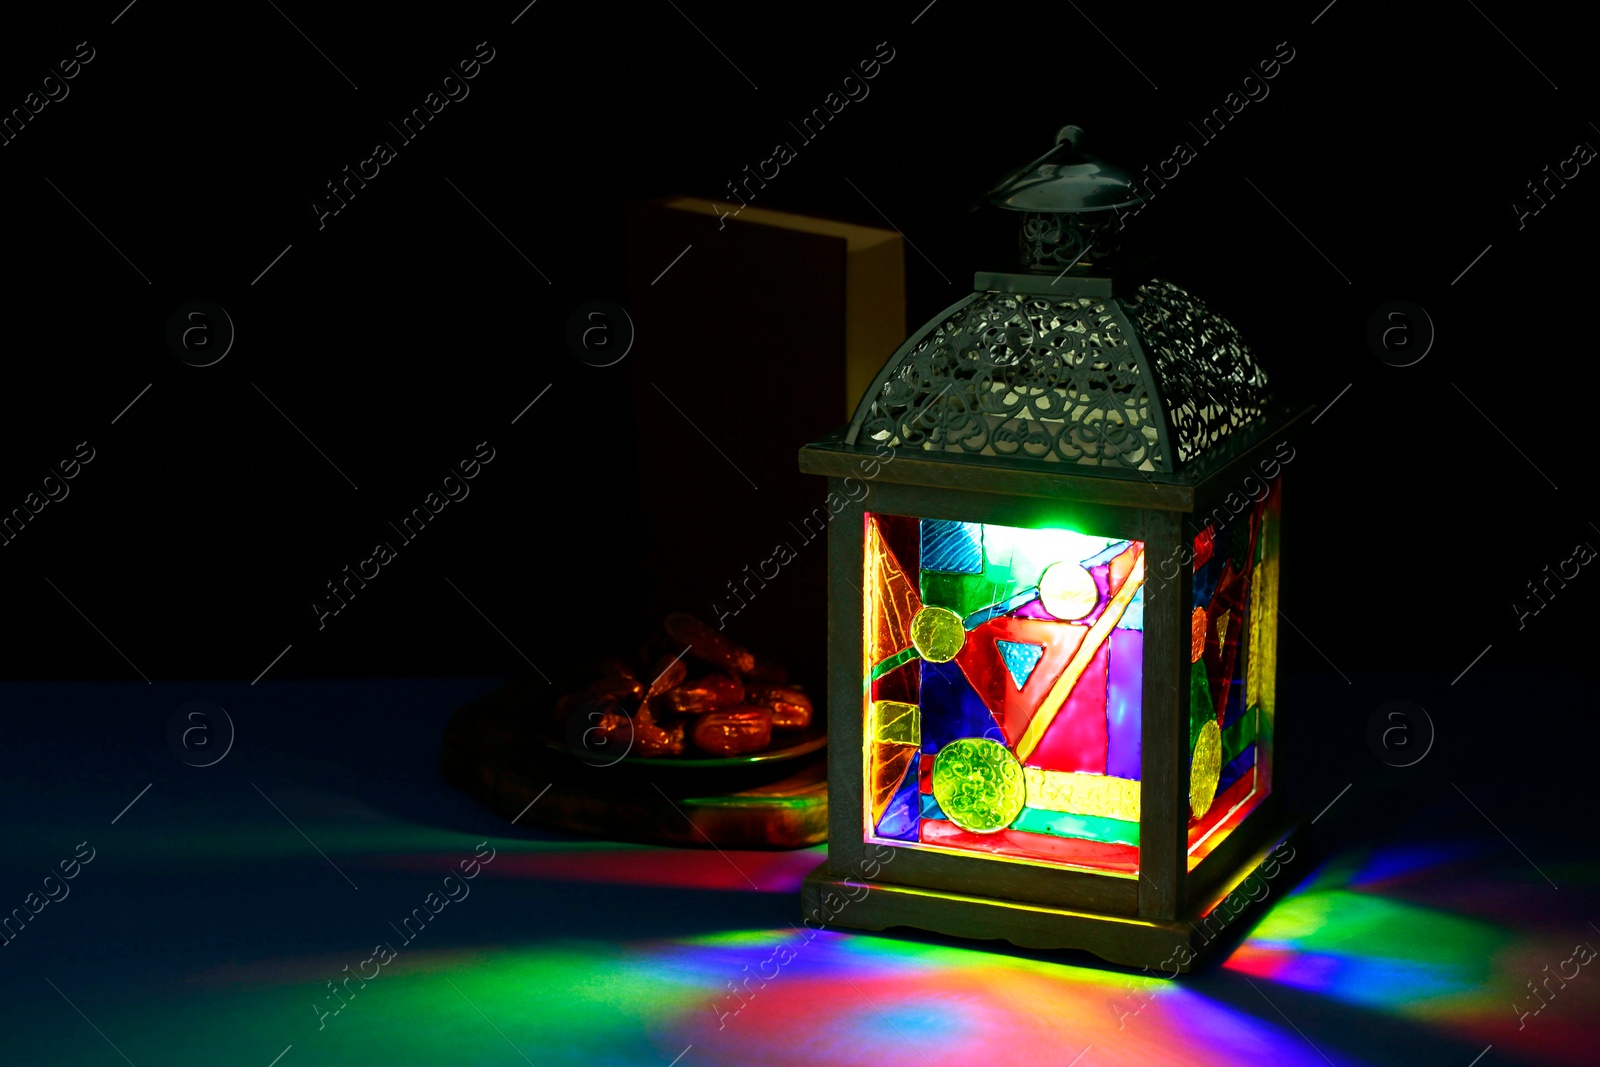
(1034, 609)
(1124, 695)
(902, 818)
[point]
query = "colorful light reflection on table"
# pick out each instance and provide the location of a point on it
(1381, 956)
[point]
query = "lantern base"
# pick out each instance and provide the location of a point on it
(1170, 946)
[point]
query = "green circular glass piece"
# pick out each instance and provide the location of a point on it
(978, 784)
(937, 634)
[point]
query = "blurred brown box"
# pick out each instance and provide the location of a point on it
(760, 338)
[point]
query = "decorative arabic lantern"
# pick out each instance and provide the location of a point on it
(1053, 604)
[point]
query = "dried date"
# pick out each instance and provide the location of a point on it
(733, 732)
(711, 693)
(708, 644)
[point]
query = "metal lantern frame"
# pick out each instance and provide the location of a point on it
(1120, 406)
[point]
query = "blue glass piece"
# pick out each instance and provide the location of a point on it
(930, 807)
(1133, 617)
(1106, 555)
(901, 818)
(1237, 768)
(1205, 579)
(1207, 576)
(1005, 607)
(1020, 659)
(952, 547)
(951, 708)
(1236, 691)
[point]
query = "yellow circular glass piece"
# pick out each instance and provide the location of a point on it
(1067, 590)
(979, 784)
(937, 634)
(1204, 768)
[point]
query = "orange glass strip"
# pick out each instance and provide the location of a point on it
(893, 599)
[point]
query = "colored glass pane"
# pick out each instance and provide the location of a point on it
(903, 535)
(1033, 609)
(1240, 733)
(1200, 706)
(1026, 553)
(966, 594)
(887, 765)
(1024, 603)
(899, 684)
(956, 547)
(1238, 767)
(937, 634)
(1230, 808)
(1262, 654)
(1014, 560)
(1020, 844)
(1107, 554)
(1124, 704)
(1241, 551)
(1020, 659)
(1225, 801)
(1235, 705)
(1097, 635)
(951, 708)
(902, 816)
(1205, 765)
(981, 662)
(1133, 618)
(905, 655)
(1236, 589)
(978, 783)
(1205, 580)
(1068, 591)
(1082, 794)
(1120, 566)
(892, 600)
(998, 680)
(895, 722)
(1077, 737)
(1088, 827)
(1222, 648)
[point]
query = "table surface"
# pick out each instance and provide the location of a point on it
(223, 904)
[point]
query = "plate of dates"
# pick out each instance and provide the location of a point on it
(691, 698)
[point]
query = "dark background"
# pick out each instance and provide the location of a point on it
(407, 330)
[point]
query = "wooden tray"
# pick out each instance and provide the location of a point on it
(492, 751)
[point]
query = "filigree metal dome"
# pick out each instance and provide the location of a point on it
(1145, 382)
(1070, 364)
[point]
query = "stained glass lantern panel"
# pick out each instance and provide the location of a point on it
(1004, 676)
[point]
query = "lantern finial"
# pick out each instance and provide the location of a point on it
(1069, 202)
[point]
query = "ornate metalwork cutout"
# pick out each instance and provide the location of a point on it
(1055, 241)
(1210, 383)
(1028, 376)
